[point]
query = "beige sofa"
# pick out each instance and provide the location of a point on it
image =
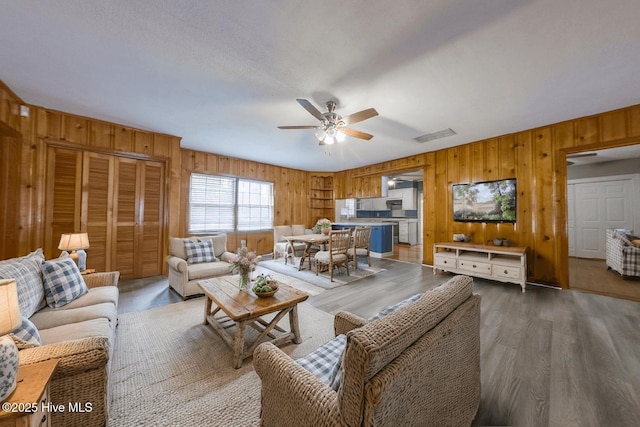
(417, 365)
(184, 277)
(80, 335)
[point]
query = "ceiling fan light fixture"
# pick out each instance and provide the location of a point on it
(329, 139)
(320, 134)
(340, 136)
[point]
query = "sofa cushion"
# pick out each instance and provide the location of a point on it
(46, 319)
(26, 335)
(199, 252)
(62, 281)
(326, 362)
(27, 271)
(208, 269)
(75, 331)
(97, 295)
(176, 247)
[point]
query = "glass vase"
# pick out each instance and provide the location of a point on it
(243, 281)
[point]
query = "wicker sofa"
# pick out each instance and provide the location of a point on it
(622, 254)
(79, 334)
(417, 365)
(183, 276)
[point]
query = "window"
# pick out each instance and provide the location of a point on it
(221, 203)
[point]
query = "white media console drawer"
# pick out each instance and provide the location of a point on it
(501, 263)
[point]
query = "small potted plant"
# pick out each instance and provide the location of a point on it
(322, 226)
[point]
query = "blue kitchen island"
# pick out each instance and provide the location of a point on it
(381, 243)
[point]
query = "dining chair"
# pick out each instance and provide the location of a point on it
(360, 246)
(336, 255)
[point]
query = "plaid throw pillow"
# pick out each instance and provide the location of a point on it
(26, 335)
(326, 362)
(62, 282)
(27, 271)
(199, 251)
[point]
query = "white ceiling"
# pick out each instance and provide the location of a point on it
(224, 74)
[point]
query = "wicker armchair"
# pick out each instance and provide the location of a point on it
(418, 365)
(360, 246)
(336, 255)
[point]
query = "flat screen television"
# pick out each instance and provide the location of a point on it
(489, 201)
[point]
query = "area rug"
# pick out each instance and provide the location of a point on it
(169, 369)
(322, 280)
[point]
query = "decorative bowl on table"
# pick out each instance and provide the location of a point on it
(265, 286)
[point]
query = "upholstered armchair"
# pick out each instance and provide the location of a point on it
(623, 255)
(336, 255)
(281, 247)
(184, 273)
(360, 246)
(419, 365)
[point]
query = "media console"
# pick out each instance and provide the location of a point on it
(501, 263)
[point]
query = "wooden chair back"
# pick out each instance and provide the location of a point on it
(361, 238)
(339, 241)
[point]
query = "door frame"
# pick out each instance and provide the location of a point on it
(562, 249)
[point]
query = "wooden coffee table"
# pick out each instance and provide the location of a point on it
(244, 308)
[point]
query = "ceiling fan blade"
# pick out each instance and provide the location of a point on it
(357, 133)
(311, 108)
(297, 127)
(359, 116)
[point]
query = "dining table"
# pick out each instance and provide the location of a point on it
(309, 240)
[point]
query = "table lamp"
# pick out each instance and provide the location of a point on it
(76, 243)
(9, 320)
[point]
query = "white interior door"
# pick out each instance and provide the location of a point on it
(600, 205)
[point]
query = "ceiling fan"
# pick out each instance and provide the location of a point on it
(332, 125)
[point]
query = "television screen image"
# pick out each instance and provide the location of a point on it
(491, 201)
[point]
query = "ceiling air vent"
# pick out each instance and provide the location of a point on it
(435, 135)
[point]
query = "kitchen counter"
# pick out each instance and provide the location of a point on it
(381, 243)
(364, 223)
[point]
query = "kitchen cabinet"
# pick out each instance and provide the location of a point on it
(407, 195)
(408, 199)
(408, 231)
(380, 204)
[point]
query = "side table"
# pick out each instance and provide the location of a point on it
(28, 404)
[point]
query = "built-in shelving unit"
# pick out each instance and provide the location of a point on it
(321, 201)
(501, 263)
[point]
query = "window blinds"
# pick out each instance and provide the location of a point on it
(220, 203)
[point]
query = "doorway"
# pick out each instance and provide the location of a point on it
(603, 191)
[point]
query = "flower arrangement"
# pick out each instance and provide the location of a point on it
(244, 263)
(320, 225)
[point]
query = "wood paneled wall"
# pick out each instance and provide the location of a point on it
(291, 192)
(536, 157)
(44, 126)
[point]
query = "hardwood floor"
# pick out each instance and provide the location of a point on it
(592, 275)
(407, 253)
(549, 357)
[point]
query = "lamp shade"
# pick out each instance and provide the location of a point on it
(73, 241)
(9, 310)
